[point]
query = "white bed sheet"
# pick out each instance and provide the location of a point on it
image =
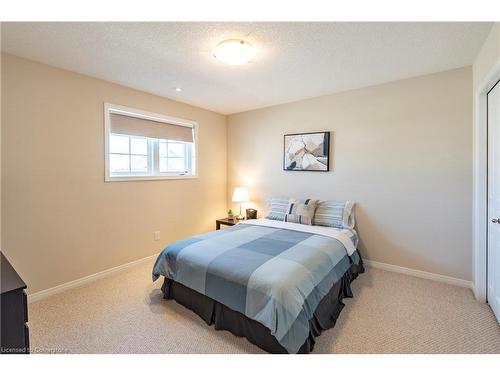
(339, 234)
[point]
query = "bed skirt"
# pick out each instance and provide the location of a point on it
(224, 318)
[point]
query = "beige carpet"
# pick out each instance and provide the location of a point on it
(390, 313)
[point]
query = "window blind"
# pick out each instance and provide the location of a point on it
(128, 125)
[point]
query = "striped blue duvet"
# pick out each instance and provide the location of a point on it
(274, 275)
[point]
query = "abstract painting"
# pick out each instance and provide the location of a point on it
(307, 152)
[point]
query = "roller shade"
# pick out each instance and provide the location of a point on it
(122, 124)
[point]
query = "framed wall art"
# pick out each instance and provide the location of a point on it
(307, 152)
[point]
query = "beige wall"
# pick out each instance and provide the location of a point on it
(1, 249)
(61, 221)
(488, 56)
(401, 150)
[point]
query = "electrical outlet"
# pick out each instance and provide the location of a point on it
(157, 235)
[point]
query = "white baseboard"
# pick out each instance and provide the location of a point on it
(85, 280)
(421, 274)
(99, 275)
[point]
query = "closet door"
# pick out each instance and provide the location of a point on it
(493, 285)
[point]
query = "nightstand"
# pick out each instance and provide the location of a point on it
(225, 221)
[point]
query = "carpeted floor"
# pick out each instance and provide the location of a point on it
(390, 313)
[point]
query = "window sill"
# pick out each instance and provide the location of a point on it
(147, 178)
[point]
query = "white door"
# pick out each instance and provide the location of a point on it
(494, 200)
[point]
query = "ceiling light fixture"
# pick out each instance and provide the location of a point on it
(178, 89)
(234, 51)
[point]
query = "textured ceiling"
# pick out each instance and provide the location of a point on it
(293, 60)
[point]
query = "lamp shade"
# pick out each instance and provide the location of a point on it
(240, 195)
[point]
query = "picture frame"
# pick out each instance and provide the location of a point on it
(308, 152)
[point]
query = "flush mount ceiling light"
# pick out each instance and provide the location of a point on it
(178, 89)
(234, 51)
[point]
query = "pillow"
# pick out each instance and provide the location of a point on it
(277, 208)
(335, 214)
(300, 212)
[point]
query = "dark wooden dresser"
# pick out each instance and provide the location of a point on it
(14, 310)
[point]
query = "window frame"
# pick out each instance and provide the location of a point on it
(133, 112)
(188, 156)
(149, 156)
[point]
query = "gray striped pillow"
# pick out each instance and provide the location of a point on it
(277, 208)
(334, 214)
(300, 212)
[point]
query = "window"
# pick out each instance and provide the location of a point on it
(128, 155)
(174, 156)
(142, 146)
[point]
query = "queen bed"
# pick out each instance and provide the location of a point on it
(278, 284)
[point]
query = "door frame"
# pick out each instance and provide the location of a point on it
(480, 183)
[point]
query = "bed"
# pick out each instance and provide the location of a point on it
(278, 284)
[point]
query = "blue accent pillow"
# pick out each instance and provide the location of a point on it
(334, 214)
(277, 208)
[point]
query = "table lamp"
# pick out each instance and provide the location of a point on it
(240, 195)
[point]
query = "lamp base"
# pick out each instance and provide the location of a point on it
(240, 216)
